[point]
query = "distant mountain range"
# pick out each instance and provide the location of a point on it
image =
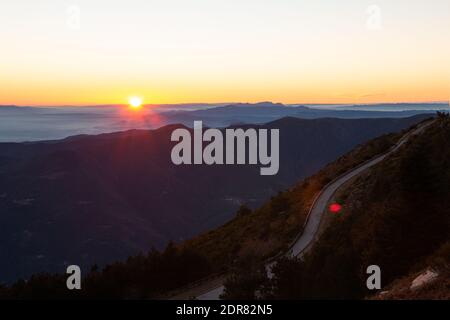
(18, 124)
(96, 199)
(267, 111)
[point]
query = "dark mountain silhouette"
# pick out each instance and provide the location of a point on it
(396, 216)
(266, 111)
(96, 199)
(19, 124)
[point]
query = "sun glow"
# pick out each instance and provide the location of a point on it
(135, 102)
(270, 52)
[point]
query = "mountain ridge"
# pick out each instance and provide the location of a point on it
(118, 187)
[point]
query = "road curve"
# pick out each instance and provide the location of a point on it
(319, 207)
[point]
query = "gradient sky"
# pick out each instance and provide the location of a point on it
(173, 51)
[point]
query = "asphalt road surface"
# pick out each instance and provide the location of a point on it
(319, 208)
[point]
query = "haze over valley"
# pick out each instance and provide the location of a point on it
(96, 199)
(18, 124)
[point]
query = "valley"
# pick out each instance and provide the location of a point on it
(82, 201)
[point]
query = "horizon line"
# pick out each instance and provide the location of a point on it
(216, 103)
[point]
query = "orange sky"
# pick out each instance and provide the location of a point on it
(224, 51)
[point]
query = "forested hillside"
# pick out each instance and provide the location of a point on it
(396, 216)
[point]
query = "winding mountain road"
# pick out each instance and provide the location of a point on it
(320, 204)
(308, 235)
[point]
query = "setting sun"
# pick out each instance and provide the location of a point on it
(135, 102)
